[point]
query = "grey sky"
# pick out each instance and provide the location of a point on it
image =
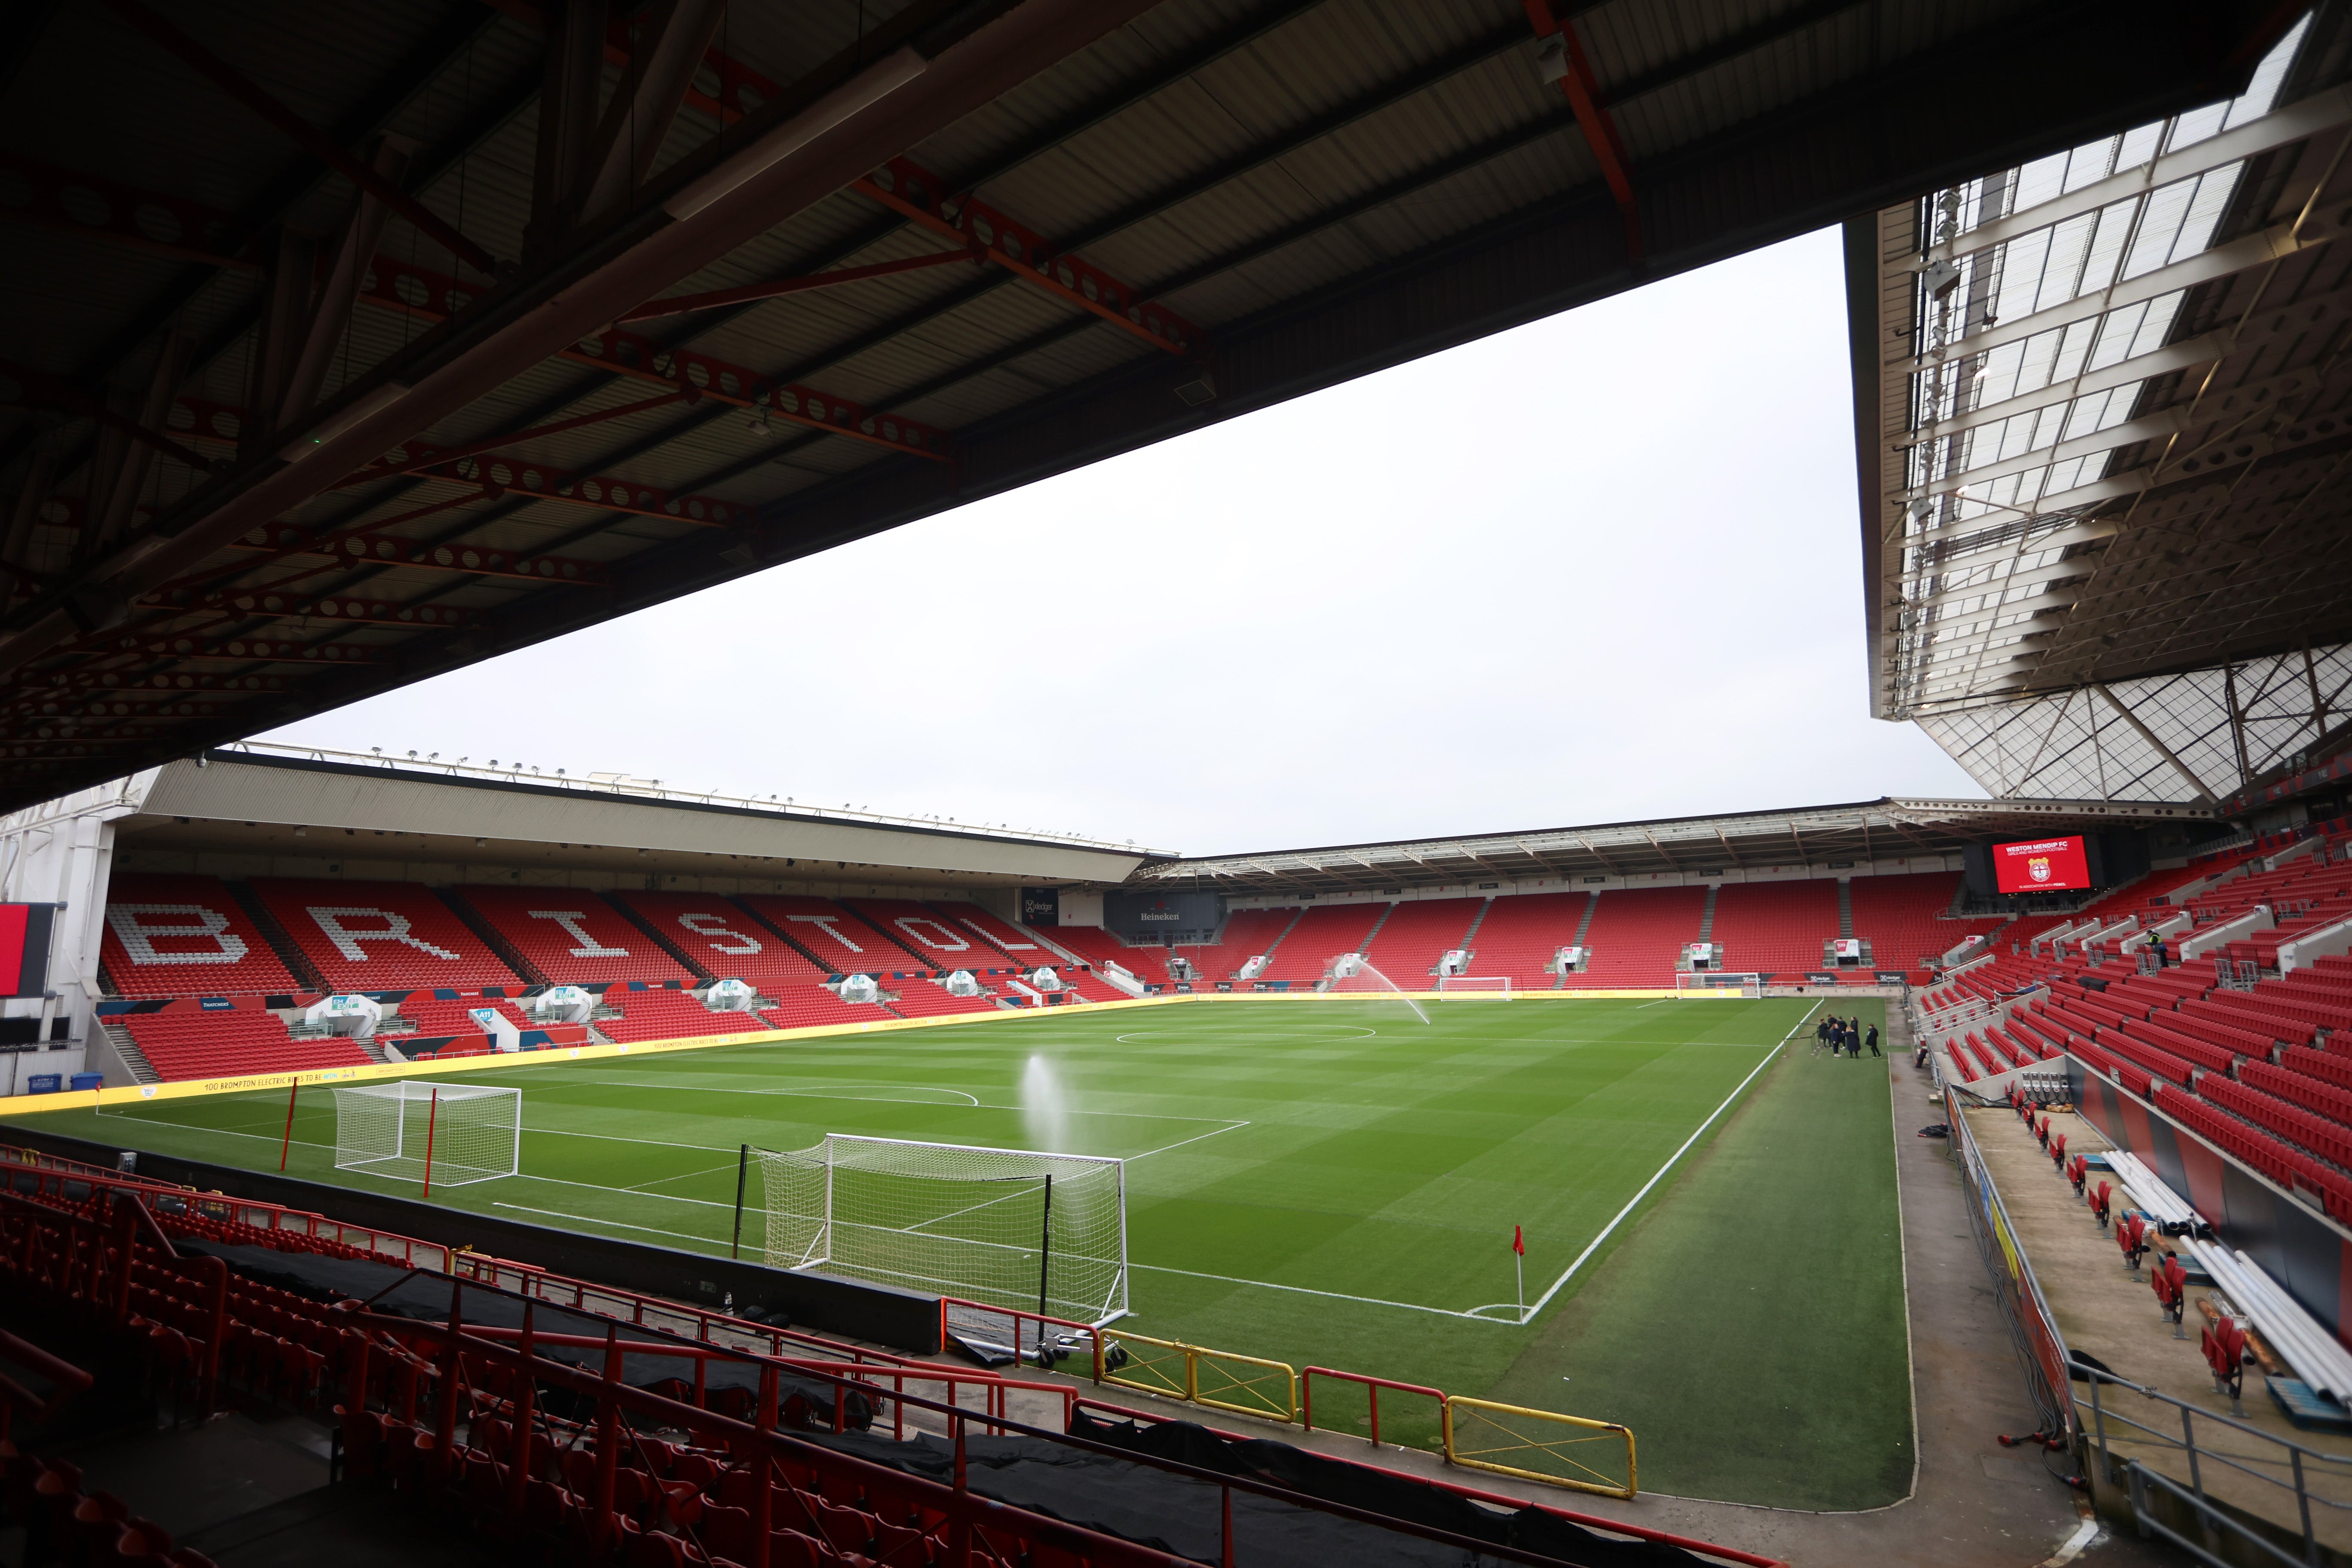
(1603, 566)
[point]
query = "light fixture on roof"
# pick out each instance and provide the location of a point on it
(481, 843)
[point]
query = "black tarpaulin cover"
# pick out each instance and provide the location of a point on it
(1182, 1514)
(400, 1292)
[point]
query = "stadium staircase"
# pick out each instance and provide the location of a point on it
(1845, 907)
(1706, 915)
(134, 1059)
(1267, 952)
(1592, 903)
(490, 936)
(289, 950)
(1366, 945)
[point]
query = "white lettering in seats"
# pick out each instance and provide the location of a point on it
(712, 927)
(826, 922)
(137, 927)
(335, 922)
(570, 919)
(953, 943)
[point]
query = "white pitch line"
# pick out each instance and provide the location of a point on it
(1545, 1299)
(1195, 1139)
(1303, 1290)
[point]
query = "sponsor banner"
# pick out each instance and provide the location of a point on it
(2040, 865)
(25, 948)
(1157, 918)
(1041, 906)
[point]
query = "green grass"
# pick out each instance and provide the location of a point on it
(1332, 1183)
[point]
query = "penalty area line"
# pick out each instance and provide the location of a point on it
(1630, 1203)
(1304, 1291)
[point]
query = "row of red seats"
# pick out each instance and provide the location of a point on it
(181, 1046)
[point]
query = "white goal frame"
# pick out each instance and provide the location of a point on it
(992, 1226)
(1710, 982)
(1477, 985)
(444, 1134)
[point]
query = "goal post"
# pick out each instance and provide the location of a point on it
(1038, 1233)
(1475, 985)
(449, 1133)
(1719, 983)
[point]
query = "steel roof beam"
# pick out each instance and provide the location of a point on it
(2330, 109)
(2274, 243)
(303, 134)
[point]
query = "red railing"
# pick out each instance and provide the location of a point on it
(1498, 1500)
(1372, 1386)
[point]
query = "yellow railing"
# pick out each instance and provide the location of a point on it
(1478, 1434)
(1247, 1385)
(1545, 1446)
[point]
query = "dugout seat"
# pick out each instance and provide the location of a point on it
(2169, 1281)
(2078, 1172)
(2101, 1200)
(2131, 1236)
(2224, 1344)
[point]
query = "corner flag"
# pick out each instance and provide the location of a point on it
(1519, 1270)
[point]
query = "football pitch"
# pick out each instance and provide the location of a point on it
(1712, 1241)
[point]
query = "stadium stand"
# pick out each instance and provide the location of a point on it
(1519, 935)
(812, 1006)
(935, 942)
(832, 934)
(1636, 936)
(192, 1044)
(227, 1303)
(1417, 933)
(571, 935)
(422, 1014)
(661, 1013)
(184, 936)
(929, 999)
(1902, 919)
(1246, 933)
(1097, 947)
(381, 936)
(1021, 949)
(1323, 933)
(722, 938)
(1774, 927)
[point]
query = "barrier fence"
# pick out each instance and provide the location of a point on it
(1483, 1435)
(1508, 1439)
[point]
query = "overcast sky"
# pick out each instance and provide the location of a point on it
(1601, 567)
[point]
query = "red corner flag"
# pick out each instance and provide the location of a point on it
(1518, 1244)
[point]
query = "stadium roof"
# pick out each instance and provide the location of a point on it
(251, 802)
(2102, 425)
(1819, 836)
(334, 365)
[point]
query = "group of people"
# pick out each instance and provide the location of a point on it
(1846, 1034)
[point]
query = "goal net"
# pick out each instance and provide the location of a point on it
(1000, 1226)
(1475, 985)
(1718, 982)
(454, 1133)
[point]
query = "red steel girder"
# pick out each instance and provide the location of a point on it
(914, 192)
(302, 133)
(909, 189)
(435, 296)
(1583, 93)
(368, 548)
(361, 611)
(262, 650)
(517, 437)
(52, 197)
(41, 383)
(680, 304)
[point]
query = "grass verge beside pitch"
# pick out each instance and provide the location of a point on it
(1751, 1330)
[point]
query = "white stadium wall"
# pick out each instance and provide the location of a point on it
(62, 852)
